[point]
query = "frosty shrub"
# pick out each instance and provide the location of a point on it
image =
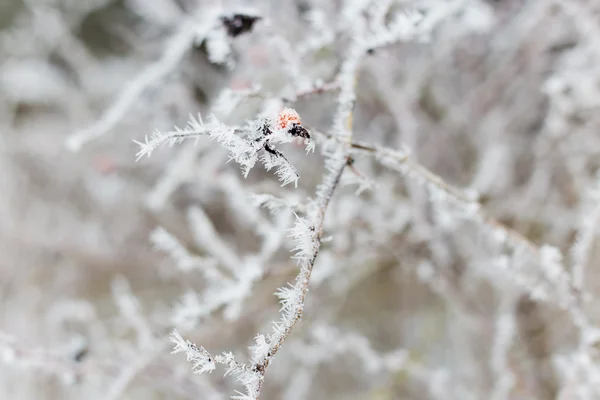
(367, 199)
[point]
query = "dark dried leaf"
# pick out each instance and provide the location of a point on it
(238, 24)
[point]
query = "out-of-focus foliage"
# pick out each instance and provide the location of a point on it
(458, 253)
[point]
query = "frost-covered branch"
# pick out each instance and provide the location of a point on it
(129, 308)
(164, 241)
(556, 285)
(52, 362)
(214, 28)
(245, 144)
(176, 48)
(327, 342)
(306, 235)
(201, 359)
(412, 260)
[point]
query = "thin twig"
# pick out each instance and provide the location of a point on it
(406, 159)
(305, 274)
(176, 48)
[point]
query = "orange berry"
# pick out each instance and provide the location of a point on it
(287, 117)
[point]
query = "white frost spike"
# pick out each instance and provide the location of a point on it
(303, 234)
(288, 296)
(242, 396)
(203, 362)
(241, 151)
(285, 170)
(260, 350)
(310, 145)
(273, 204)
(248, 377)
